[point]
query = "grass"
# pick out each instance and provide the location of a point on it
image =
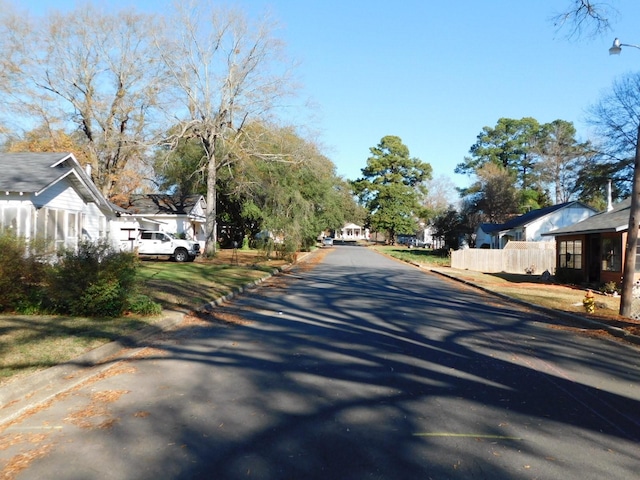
(421, 256)
(34, 342)
(172, 284)
(31, 343)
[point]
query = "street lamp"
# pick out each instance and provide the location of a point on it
(616, 48)
(626, 299)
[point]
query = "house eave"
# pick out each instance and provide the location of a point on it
(587, 232)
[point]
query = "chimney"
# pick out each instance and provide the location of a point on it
(609, 203)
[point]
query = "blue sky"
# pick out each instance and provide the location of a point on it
(435, 73)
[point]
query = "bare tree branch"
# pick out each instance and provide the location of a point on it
(585, 18)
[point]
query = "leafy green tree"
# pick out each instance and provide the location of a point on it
(276, 181)
(508, 144)
(392, 187)
(448, 227)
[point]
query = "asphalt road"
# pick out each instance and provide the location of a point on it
(361, 367)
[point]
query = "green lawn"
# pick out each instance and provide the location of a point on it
(191, 285)
(422, 256)
(33, 342)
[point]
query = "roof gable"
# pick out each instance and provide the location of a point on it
(32, 172)
(29, 172)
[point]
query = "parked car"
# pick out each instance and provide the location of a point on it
(419, 243)
(163, 243)
(327, 241)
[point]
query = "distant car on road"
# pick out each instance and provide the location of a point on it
(327, 241)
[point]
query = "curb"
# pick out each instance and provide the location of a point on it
(615, 331)
(19, 396)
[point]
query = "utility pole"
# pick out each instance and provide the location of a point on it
(631, 250)
(630, 254)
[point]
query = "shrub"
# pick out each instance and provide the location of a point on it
(142, 305)
(287, 250)
(95, 280)
(609, 288)
(20, 275)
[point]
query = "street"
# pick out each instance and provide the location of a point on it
(357, 367)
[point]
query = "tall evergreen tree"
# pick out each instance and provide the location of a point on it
(391, 186)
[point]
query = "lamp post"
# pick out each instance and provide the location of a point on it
(616, 48)
(626, 300)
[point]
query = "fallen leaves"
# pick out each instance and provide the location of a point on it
(97, 413)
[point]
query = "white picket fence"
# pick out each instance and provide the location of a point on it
(533, 259)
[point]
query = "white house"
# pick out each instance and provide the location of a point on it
(49, 197)
(352, 232)
(531, 226)
(177, 214)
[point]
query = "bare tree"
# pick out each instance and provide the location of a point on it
(585, 17)
(86, 70)
(560, 156)
(226, 73)
(441, 194)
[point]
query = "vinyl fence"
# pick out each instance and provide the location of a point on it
(531, 259)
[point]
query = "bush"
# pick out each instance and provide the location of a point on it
(20, 275)
(287, 250)
(142, 305)
(609, 288)
(95, 280)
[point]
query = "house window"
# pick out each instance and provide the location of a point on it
(10, 219)
(570, 254)
(612, 254)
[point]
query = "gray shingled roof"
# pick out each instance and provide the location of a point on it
(30, 172)
(162, 204)
(616, 220)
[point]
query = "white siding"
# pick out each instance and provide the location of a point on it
(94, 223)
(198, 211)
(561, 218)
(59, 216)
(60, 196)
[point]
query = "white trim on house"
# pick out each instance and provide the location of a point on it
(351, 232)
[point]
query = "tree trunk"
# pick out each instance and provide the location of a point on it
(211, 225)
